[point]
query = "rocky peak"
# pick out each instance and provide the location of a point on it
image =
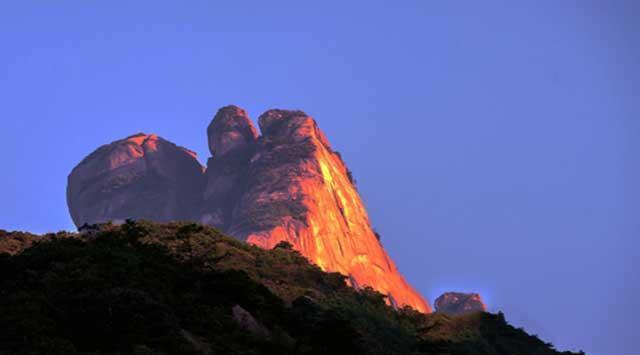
(277, 122)
(298, 190)
(142, 176)
(287, 185)
(457, 303)
(230, 129)
(292, 125)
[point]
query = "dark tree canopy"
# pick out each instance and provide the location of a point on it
(144, 288)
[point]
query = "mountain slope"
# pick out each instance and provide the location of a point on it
(145, 288)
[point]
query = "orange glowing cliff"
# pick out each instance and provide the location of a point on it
(285, 185)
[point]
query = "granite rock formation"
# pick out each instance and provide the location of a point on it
(140, 177)
(232, 139)
(456, 303)
(286, 185)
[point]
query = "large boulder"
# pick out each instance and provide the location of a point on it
(230, 130)
(140, 177)
(457, 303)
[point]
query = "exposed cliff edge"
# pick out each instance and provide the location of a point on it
(287, 184)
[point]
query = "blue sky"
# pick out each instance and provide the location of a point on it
(495, 143)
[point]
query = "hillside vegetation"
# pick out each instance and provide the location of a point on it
(181, 288)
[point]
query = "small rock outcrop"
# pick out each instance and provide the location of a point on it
(140, 177)
(286, 185)
(246, 321)
(456, 303)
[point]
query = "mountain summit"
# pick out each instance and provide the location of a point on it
(286, 184)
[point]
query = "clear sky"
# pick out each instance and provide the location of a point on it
(495, 143)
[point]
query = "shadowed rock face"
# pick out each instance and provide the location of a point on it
(455, 303)
(140, 177)
(286, 185)
(232, 139)
(230, 130)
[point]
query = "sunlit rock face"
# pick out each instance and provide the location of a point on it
(456, 303)
(140, 177)
(298, 189)
(285, 185)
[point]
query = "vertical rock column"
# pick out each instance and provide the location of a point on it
(232, 139)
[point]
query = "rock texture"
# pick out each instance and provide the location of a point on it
(140, 177)
(286, 185)
(298, 190)
(232, 139)
(456, 303)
